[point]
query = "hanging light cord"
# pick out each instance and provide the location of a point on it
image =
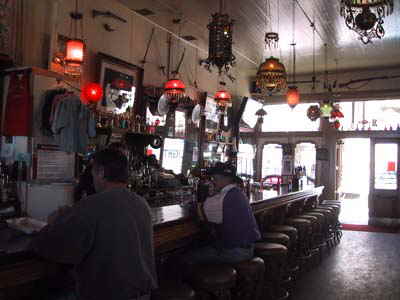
(75, 18)
(308, 18)
(326, 66)
(279, 45)
(293, 40)
(314, 75)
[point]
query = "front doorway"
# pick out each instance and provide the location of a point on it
(354, 180)
(384, 197)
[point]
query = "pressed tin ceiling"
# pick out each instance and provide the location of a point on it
(250, 28)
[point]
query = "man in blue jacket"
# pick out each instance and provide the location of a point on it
(230, 214)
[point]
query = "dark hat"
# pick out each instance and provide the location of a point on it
(222, 169)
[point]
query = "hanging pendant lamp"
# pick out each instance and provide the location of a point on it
(365, 17)
(293, 94)
(271, 76)
(223, 98)
(75, 47)
(174, 90)
(220, 53)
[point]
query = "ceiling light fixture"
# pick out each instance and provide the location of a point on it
(293, 95)
(75, 47)
(271, 74)
(220, 42)
(366, 17)
(271, 37)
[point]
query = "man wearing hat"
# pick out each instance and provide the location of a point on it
(230, 214)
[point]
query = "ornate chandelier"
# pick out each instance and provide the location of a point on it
(271, 76)
(220, 42)
(366, 17)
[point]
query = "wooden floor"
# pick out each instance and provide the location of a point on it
(364, 265)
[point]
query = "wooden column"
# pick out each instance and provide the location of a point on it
(202, 128)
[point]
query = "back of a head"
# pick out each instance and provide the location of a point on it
(115, 165)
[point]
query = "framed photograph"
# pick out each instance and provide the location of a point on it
(122, 84)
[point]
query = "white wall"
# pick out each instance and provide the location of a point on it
(45, 19)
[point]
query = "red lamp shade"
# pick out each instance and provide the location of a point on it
(293, 96)
(223, 98)
(174, 89)
(91, 93)
(74, 52)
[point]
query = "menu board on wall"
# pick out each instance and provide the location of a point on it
(53, 164)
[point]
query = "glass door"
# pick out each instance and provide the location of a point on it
(384, 184)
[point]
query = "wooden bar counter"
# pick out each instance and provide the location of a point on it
(175, 229)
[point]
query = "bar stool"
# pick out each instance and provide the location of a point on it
(275, 260)
(214, 280)
(283, 239)
(250, 279)
(276, 237)
(304, 228)
(315, 232)
(173, 291)
(319, 237)
(331, 220)
(292, 249)
(337, 230)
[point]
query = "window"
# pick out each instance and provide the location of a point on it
(305, 157)
(272, 160)
(245, 159)
(386, 166)
(282, 118)
(370, 115)
(180, 124)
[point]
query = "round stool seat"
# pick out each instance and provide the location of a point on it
(250, 267)
(327, 212)
(286, 229)
(276, 237)
(332, 202)
(313, 219)
(323, 211)
(321, 217)
(250, 278)
(173, 291)
(335, 208)
(332, 210)
(268, 249)
(212, 277)
(298, 222)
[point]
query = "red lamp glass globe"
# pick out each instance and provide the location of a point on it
(174, 89)
(91, 93)
(74, 52)
(223, 98)
(293, 97)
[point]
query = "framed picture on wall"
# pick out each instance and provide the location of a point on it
(122, 84)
